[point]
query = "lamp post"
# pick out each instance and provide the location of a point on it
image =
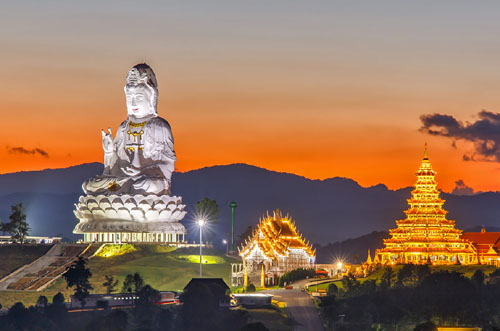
(233, 206)
(201, 223)
(339, 267)
(225, 243)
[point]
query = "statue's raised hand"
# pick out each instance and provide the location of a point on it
(107, 141)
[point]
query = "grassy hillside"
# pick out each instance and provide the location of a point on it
(164, 268)
(15, 256)
(161, 267)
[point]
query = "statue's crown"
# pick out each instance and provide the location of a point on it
(134, 77)
(142, 74)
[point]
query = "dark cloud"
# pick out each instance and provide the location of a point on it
(22, 150)
(484, 133)
(462, 189)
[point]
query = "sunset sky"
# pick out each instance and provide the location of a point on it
(316, 88)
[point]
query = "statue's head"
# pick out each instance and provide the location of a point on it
(141, 91)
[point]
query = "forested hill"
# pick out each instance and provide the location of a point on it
(325, 211)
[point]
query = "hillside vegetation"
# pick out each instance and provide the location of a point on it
(466, 270)
(15, 256)
(164, 268)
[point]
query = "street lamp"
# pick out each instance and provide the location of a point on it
(225, 243)
(233, 206)
(201, 223)
(339, 267)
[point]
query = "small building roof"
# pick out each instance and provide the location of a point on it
(211, 282)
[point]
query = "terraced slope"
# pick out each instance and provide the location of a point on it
(46, 269)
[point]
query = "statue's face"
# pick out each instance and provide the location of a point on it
(139, 101)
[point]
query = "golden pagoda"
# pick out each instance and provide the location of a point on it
(425, 235)
(275, 247)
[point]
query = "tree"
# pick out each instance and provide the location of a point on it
(478, 277)
(407, 275)
(332, 289)
(138, 282)
(17, 227)
(78, 276)
(148, 296)
(42, 301)
(350, 283)
(133, 283)
(208, 210)
(146, 312)
(495, 273)
(18, 315)
(58, 299)
(250, 288)
(3, 227)
(57, 311)
(110, 284)
(386, 281)
(128, 283)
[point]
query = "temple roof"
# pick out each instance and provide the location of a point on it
(276, 236)
(486, 243)
(483, 238)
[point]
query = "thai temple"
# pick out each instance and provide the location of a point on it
(487, 245)
(425, 235)
(274, 248)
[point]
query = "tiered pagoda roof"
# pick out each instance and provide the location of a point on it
(425, 228)
(275, 236)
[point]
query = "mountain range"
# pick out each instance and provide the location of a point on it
(325, 211)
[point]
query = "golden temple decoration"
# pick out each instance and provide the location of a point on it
(425, 235)
(113, 186)
(136, 125)
(135, 133)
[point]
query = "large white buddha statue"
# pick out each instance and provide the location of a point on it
(138, 165)
(141, 157)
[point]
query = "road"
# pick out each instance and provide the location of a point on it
(299, 307)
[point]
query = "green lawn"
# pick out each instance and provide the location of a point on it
(15, 256)
(161, 267)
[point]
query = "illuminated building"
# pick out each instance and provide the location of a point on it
(425, 235)
(487, 245)
(275, 247)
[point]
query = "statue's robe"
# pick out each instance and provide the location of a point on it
(151, 153)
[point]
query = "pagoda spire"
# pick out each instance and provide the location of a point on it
(425, 151)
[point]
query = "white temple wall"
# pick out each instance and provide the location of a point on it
(125, 237)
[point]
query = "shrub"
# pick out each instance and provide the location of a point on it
(296, 274)
(332, 289)
(250, 288)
